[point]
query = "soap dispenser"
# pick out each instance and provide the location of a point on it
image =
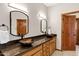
(49, 31)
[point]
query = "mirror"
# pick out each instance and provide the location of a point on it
(43, 25)
(19, 23)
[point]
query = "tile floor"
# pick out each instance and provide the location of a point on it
(67, 53)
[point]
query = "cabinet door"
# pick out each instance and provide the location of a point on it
(52, 45)
(33, 51)
(39, 53)
(46, 49)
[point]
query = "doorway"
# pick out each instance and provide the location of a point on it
(70, 31)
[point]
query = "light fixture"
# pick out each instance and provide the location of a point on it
(17, 6)
(41, 15)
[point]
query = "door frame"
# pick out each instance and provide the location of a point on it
(77, 31)
(73, 12)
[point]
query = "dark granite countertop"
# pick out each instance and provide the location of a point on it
(17, 48)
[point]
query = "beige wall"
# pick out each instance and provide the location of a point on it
(54, 16)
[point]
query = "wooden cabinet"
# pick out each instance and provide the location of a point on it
(49, 46)
(33, 51)
(39, 53)
(52, 45)
(45, 49)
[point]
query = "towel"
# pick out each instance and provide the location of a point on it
(4, 36)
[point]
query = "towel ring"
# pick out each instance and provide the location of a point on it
(3, 25)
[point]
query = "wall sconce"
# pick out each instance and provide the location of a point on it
(19, 7)
(41, 16)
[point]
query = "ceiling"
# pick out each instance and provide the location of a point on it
(50, 4)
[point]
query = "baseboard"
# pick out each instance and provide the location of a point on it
(64, 50)
(59, 49)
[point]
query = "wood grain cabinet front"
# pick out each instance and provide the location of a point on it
(33, 51)
(45, 49)
(52, 45)
(39, 53)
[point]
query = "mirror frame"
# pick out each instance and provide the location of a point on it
(42, 25)
(11, 22)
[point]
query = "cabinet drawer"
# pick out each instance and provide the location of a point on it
(46, 49)
(39, 53)
(33, 51)
(46, 44)
(46, 52)
(52, 44)
(52, 40)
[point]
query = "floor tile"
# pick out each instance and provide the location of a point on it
(67, 53)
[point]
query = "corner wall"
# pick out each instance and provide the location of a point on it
(54, 16)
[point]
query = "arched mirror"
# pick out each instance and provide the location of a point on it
(19, 23)
(44, 26)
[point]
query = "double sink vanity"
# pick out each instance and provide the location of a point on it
(43, 45)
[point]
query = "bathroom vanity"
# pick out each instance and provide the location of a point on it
(42, 45)
(45, 48)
